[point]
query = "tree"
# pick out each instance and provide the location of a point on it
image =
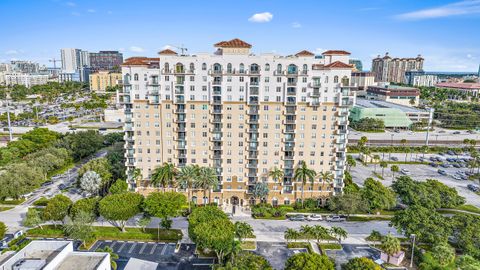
(383, 165)
(326, 177)
(319, 233)
(309, 261)
(119, 208)
(467, 262)
(186, 179)
(102, 167)
(276, 174)
(113, 256)
(377, 195)
(243, 230)
(428, 226)
(290, 234)
(207, 179)
(164, 205)
(3, 230)
(375, 236)
(351, 162)
(164, 176)
(339, 233)
(260, 190)
(390, 245)
(376, 158)
(82, 144)
(216, 235)
(394, 169)
(347, 204)
(467, 230)
(120, 186)
(361, 263)
(80, 227)
(202, 215)
(246, 261)
(32, 219)
(90, 182)
(443, 253)
(143, 222)
(86, 205)
(404, 142)
(57, 208)
(302, 174)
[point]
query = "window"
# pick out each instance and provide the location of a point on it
(279, 68)
(305, 67)
(192, 67)
(335, 79)
(217, 68)
(135, 77)
(229, 68)
(166, 68)
(242, 68)
(267, 67)
(204, 66)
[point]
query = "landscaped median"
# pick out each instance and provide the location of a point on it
(112, 233)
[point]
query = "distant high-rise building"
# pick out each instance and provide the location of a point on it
(388, 69)
(357, 64)
(106, 61)
(76, 61)
(24, 67)
(419, 78)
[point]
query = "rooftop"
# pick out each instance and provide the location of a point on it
(459, 85)
(365, 103)
(81, 261)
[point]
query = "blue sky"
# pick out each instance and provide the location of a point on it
(446, 33)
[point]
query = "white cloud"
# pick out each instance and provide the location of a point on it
(296, 25)
(261, 17)
(70, 4)
(319, 50)
(168, 47)
(10, 52)
(136, 49)
(91, 10)
(76, 13)
(455, 9)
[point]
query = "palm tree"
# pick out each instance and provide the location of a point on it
(326, 177)
(339, 233)
(275, 174)
(137, 174)
(302, 173)
(390, 245)
(394, 169)
(307, 232)
(376, 158)
(290, 234)
(383, 165)
(186, 179)
(207, 179)
(164, 175)
(113, 256)
(351, 162)
(319, 233)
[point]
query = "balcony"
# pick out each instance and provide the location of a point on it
(179, 129)
(252, 120)
(216, 101)
(289, 111)
(252, 111)
(180, 100)
(289, 121)
(179, 91)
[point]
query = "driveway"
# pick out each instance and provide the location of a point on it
(276, 253)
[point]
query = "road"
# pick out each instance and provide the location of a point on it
(13, 217)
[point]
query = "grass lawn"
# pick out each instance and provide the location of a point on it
(249, 245)
(5, 208)
(113, 233)
(12, 202)
(356, 218)
(469, 208)
(294, 245)
(325, 246)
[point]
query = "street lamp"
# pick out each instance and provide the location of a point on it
(412, 236)
(391, 144)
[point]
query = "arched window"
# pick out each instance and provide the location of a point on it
(217, 68)
(345, 81)
(254, 68)
(305, 68)
(286, 201)
(274, 202)
(292, 69)
(229, 68)
(192, 67)
(242, 68)
(279, 68)
(166, 68)
(335, 79)
(251, 201)
(135, 77)
(127, 77)
(267, 67)
(204, 66)
(179, 68)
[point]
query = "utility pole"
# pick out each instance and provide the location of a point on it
(8, 118)
(430, 120)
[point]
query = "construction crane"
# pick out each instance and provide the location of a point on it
(54, 62)
(181, 48)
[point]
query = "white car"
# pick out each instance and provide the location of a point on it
(336, 218)
(405, 171)
(314, 217)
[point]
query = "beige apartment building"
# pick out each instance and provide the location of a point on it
(242, 114)
(100, 80)
(388, 69)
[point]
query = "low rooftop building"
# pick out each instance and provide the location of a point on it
(408, 96)
(472, 88)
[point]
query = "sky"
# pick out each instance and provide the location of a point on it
(444, 32)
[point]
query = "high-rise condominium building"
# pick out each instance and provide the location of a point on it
(74, 59)
(106, 61)
(243, 115)
(389, 69)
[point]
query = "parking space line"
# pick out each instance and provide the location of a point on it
(113, 244)
(153, 249)
(163, 250)
(132, 247)
(123, 245)
(142, 248)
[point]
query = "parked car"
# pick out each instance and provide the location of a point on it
(297, 218)
(445, 165)
(456, 165)
(432, 158)
(456, 132)
(442, 172)
(456, 177)
(62, 186)
(450, 152)
(433, 164)
(405, 171)
(314, 217)
(48, 183)
(470, 131)
(336, 219)
(394, 158)
(441, 154)
(473, 188)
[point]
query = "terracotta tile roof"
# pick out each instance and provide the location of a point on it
(234, 43)
(305, 53)
(338, 64)
(167, 52)
(471, 86)
(336, 52)
(139, 61)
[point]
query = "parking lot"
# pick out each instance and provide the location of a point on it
(351, 251)
(451, 177)
(276, 253)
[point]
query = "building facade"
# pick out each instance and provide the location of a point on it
(388, 69)
(27, 80)
(99, 81)
(407, 96)
(24, 67)
(241, 114)
(106, 61)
